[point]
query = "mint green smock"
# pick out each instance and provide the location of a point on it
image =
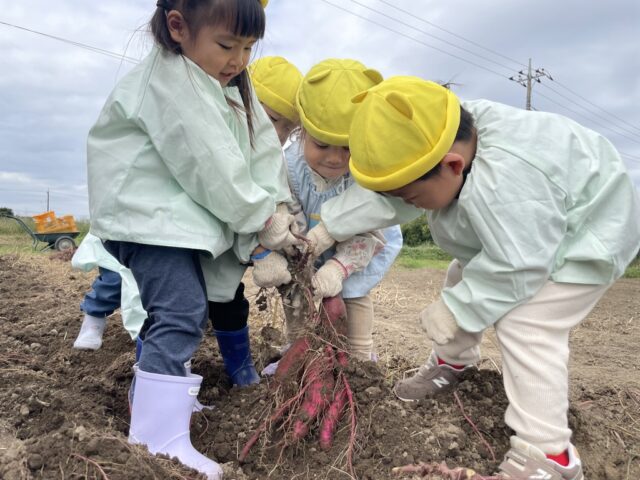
(170, 163)
(92, 254)
(546, 199)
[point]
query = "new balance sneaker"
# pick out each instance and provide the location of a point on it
(431, 380)
(526, 462)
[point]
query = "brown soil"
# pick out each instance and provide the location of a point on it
(63, 413)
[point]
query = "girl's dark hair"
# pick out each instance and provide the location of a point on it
(244, 18)
(464, 133)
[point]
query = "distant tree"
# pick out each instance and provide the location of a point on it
(416, 232)
(6, 211)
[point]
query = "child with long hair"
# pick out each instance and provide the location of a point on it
(183, 178)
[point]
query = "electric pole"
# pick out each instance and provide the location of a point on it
(47, 200)
(527, 79)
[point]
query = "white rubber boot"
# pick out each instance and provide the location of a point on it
(160, 416)
(197, 406)
(90, 336)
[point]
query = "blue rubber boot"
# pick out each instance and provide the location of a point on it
(236, 354)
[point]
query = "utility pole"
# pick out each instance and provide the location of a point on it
(526, 80)
(47, 199)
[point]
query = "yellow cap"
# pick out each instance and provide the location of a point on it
(264, 3)
(324, 98)
(402, 129)
(276, 82)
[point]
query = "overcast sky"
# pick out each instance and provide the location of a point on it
(51, 92)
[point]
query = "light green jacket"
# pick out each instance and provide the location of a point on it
(223, 275)
(169, 162)
(92, 254)
(546, 199)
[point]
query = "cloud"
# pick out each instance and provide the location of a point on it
(53, 91)
(15, 178)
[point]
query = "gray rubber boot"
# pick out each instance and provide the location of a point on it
(160, 417)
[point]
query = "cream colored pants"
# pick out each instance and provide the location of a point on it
(359, 327)
(534, 342)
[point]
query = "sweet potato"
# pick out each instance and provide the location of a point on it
(300, 429)
(293, 360)
(334, 314)
(330, 421)
(319, 377)
(342, 358)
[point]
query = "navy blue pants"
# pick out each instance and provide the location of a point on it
(232, 315)
(173, 293)
(104, 297)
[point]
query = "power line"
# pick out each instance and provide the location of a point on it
(44, 192)
(598, 107)
(635, 134)
(535, 77)
(582, 115)
(412, 15)
(123, 57)
(108, 53)
(431, 35)
(628, 155)
(414, 39)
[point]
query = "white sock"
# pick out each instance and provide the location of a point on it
(90, 336)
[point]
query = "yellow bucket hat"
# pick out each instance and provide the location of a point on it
(324, 98)
(276, 82)
(402, 129)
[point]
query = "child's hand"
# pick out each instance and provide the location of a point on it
(320, 239)
(270, 269)
(277, 234)
(439, 323)
(327, 282)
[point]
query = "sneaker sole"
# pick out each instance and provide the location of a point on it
(407, 400)
(84, 346)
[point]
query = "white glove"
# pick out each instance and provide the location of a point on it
(327, 282)
(357, 252)
(277, 234)
(270, 270)
(439, 323)
(320, 239)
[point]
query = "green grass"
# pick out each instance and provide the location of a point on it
(430, 256)
(423, 256)
(14, 239)
(633, 270)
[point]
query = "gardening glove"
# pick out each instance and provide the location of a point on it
(270, 269)
(357, 252)
(351, 256)
(277, 233)
(327, 281)
(439, 323)
(320, 239)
